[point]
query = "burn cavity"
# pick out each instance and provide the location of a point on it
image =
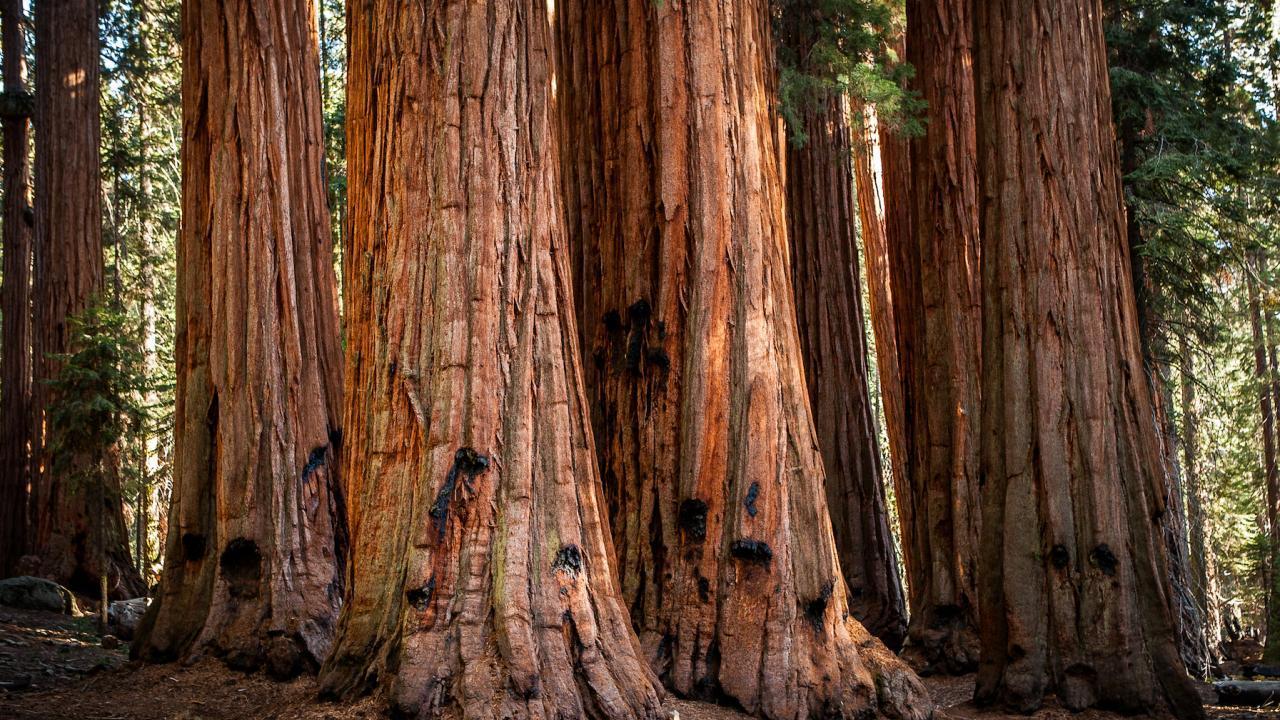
(241, 564)
(467, 464)
(693, 518)
(752, 551)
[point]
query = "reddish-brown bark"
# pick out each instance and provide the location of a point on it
(706, 444)
(75, 525)
(868, 178)
(826, 277)
(1073, 569)
(482, 582)
(933, 231)
(253, 561)
(15, 294)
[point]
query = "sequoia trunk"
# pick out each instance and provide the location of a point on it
(15, 294)
(253, 561)
(868, 178)
(76, 526)
(706, 443)
(1073, 568)
(938, 312)
(833, 345)
(482, 582)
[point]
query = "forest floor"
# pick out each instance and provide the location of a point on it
(54, 666)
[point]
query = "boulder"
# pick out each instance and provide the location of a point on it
(33, 593)
(123, 616)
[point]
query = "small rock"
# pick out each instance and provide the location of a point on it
(33, 593)
(110, 642)
(123, 616)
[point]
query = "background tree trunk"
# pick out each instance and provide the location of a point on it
(1197, 521)
(15, 295)
(938, 312)
(1073, 490)
(68, 277)
(869, 188)
(482, 582)
(828, 289)
(254, 558)
(706, 443)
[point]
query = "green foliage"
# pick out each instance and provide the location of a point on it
(830, 47)
(94, 395)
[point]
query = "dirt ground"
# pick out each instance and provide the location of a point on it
(54, 666)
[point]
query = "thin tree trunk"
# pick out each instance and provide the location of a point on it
(869, 186)
(827, 281)
(1197, 521)
(1269, 403)
(15, 295)
(937, 306)
(1074, 573)
(707, 449)
(482, 583)
(254, 559)
(68, 278)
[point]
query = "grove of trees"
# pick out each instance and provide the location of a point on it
(519, 359)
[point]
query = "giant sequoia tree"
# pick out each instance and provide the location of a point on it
(1073, 573)
(482, 582)
(828, 292)
(937, 308)
(77, 527)
(705, 438)
(253, 562)
(15, 291)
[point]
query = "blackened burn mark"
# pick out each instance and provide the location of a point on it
(1104, 559)
(815, 610)
(193, 547)
(241, 564)
(314, 461)
(753, 493)
(640, 312)
(658, 358)
(704, 589)
(693, 518)
(1059, 556)
(335, 438)
(612, 321)
(756, 551)
(391, 371)
(420, 597)
(568, 559)
(467, 464)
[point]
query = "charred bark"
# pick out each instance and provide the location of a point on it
(706, 443)
(482, 581)
(15, 298)
(1073, 568)
(254, 556)
(70, 517)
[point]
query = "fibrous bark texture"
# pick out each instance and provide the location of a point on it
(1073, 569)
(482, 581)
(826, 278)
(938, 312)
(706, 443)
(15, 295)
(253, 561)
(75, 525)
(868, 180)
